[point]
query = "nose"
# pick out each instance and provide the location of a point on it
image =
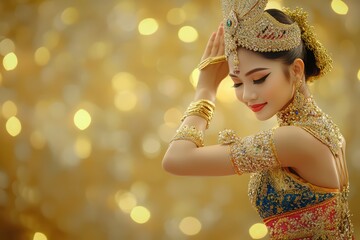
(249, 93)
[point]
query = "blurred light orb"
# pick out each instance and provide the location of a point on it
(194, 77)
(82, 147)
(125, 101)
(9, 109)
(13, 126)
(69, 16)
(151, 145)
(339, 7)
(226, 92)
(10, 61)
(358, 75)
(39, 236)
(82, 119)
(42, 56)
(6, 46)
(188, 34)
(140, 214)
(190, 226)
(123, 81)
(148, 26)
(37, 140)
(258, 231)
(126, 201)
(176, 16)
(172, 116)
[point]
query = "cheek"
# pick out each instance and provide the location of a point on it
(239, 94)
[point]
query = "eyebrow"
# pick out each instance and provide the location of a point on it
(249, 72)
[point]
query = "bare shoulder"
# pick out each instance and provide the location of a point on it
(296, 148)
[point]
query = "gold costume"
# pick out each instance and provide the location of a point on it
(291, 207)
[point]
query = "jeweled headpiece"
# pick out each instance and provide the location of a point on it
(323, 60)
(248, 25)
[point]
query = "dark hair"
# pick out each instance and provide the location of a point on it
(288, 57)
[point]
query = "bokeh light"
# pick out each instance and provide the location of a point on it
(39, 236)
(190, 226)
(172, 116)
(140, 214)
(126, 201)
(125, 100)
(91, 94)
(176, 16)
(258, 231)
(339, 7)
(37, 140)
(83, 147)
(6, 46)
(10, 61)
(194, 76)
(13, 126)
(82, 119)
(9, 109)
(42, 56)
(70, 15)
(151, 146)
(148, 26)
(188, 34)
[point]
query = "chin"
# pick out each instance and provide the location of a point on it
(263, 116)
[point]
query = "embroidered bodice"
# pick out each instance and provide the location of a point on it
(291, 207)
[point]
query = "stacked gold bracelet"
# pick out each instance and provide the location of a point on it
(190, 133)
(202, 108)
(211, 60)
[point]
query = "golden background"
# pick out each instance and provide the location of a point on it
(92, 91)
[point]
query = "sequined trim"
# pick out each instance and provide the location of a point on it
(303, 112)
(311, 186)
(252, 153)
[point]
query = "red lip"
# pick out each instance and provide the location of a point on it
(257, 107)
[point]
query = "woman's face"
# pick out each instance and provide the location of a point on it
(261, 84)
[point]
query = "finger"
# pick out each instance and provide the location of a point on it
(216, 43)
(209, 45)
(221, 50)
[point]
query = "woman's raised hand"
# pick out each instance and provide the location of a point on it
(214, 67)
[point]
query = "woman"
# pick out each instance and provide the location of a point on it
(299, 182)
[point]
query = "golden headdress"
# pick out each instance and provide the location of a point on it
(248, 25)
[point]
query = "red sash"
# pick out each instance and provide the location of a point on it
(306, 223)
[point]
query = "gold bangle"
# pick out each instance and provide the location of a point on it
(202, 108)
(190, 133)
(211, 60)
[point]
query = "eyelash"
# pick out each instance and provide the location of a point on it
(258, 81)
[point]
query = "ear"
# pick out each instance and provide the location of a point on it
(297, 69)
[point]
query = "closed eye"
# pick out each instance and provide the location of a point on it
(236, 85)
(261, 80)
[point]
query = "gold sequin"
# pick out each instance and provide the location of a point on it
(291, 207)
(323, 60)
(247, 25)
(190, 133)
(252, 153)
